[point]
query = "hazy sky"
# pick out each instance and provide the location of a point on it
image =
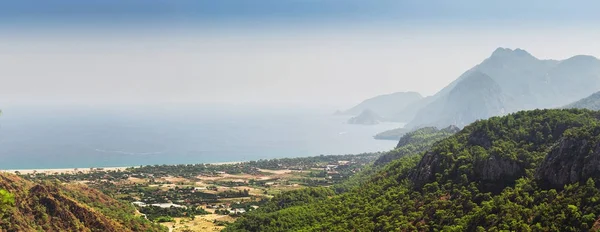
(324, 52)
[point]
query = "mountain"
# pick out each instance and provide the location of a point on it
(56, 207)
(475, 96)
(592, 103)
(409, 112)
(393, 134)
(367, 117)
(532, 170)
(573, 79)
(385, 105)
(522, 81)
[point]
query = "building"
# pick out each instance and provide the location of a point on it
(139, 203)
(162, 205)
(168, 205)
(237, 211)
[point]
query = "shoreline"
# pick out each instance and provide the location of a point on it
(89, 169)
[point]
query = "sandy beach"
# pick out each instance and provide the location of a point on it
(51, 171)
(54, 171)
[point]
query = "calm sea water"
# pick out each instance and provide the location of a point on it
(68, 137)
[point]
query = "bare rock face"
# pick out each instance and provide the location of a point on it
(571, 160)
(497, 168)
(451, 129)
(492, 172)
(426, 169)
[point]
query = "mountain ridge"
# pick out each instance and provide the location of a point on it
(526, 82)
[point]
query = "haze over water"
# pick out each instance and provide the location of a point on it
(293, 53)
(66, 137)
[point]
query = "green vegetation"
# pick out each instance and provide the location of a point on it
(393, 134)
(416, 141)
(162, 219)
(6, 200)
(155, 213)
(301, 163)
(491, 176)
(52, 206)
(225, 189)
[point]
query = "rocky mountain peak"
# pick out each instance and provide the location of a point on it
(507, 52)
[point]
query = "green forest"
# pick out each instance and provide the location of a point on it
(528, 171)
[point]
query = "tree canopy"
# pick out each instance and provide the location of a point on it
(480, 179)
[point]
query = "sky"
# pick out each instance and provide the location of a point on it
(332, 53)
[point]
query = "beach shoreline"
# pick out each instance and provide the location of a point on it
(55, 171)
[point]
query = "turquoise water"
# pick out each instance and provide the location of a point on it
(68, 137)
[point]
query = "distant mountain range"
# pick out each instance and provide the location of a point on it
(388, 106)
(475, 96)
(508, 81)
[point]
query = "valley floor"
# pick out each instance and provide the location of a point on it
(206, 197)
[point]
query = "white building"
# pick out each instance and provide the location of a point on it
(139, 203)
(168, 205)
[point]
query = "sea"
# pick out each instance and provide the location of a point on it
(44, 137)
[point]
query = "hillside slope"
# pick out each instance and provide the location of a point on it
(476, 96)
(591, 102)
(528, 171)
(393, 134)
(57, 207)
(367, 117)
(415, 142)
(386, 105)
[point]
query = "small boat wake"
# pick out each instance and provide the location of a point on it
(128, 152)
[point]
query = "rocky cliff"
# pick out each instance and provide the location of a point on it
(559, 146)
(572, 160)
(56, 207)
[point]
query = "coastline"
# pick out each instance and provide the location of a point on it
(54, 171)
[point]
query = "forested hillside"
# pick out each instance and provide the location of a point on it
(527, 171)
(416, 141)
(591, 102)
(29, 206)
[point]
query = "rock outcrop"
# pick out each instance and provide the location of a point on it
(72, 207)
(571, 160)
